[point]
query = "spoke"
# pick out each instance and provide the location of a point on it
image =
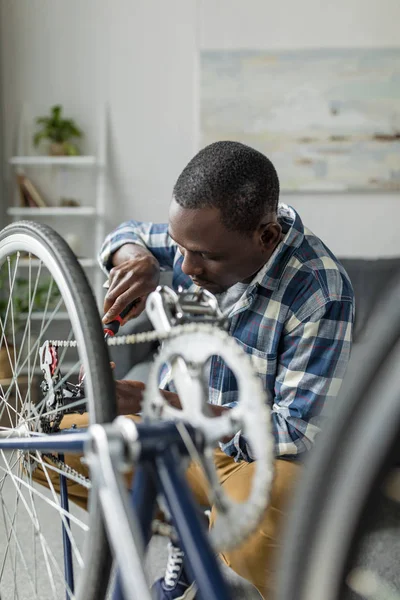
(55, 311)
(64, 351)
(63, 518)
(6, 406)
(13, 531)
(33, 529)
(39, 337)
(13, 381)
(41, 407)
(58, 508)
(43, 403)
(30, 374)
(13, 465)
(63, 380)
(15, 554)
(27, 334)
(42, 539)
(28, 319)
(44, 542)
(9, 304)
(31, 433)
(16, 543)
(13, 370)
(7, 394)
(48, 554)
(11, 297)
(49, 571)
(51, 412)
(8, 534)
(18, 489)
(36, 345)
(20, 401)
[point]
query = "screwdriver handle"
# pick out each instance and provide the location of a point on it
(112, 328)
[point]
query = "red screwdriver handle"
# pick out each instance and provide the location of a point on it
(112, 328)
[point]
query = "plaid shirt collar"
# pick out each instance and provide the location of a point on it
(271, 273)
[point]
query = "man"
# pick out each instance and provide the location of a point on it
(290, 305)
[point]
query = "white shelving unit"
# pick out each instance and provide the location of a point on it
(93, 214)
(53, 211)
(76, 161)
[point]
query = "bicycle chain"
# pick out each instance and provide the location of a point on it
(31, 463)
(72, 473)
(133, 338)
(143, 337)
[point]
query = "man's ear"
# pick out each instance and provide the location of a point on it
(270, 235)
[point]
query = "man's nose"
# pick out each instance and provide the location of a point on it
(192, 264)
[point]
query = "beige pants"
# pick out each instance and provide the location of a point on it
(255, 558)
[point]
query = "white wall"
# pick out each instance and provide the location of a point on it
(140, 56)
(352, 225)
(135, 55)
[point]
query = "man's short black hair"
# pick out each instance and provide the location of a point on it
(238, 180)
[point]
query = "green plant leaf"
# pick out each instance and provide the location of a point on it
(38, 137)
(56, 111)
(56, 129)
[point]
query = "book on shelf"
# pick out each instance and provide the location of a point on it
(29, 194)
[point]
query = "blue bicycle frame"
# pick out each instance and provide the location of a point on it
(158, 469)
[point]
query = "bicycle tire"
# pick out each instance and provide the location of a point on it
(320, 535)
(42, 241)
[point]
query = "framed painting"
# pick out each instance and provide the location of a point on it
(328, 119)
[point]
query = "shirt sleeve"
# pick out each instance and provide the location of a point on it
(310, 370)
(152, 236)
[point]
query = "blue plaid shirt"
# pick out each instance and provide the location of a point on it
(295, 320)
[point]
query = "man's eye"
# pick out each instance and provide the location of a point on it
(208, 257)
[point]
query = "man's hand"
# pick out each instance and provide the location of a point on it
(129, 396)
(136, 273)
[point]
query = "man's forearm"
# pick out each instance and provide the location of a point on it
(173, 400)
(126, 252)
(120, 244)
(216, 411)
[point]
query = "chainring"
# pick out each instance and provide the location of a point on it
(250, 416)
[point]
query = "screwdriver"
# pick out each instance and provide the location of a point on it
(112, 328)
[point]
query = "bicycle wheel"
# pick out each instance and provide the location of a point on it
(342, 499)
(45, 296)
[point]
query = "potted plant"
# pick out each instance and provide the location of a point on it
(21, 301)
(59, 132)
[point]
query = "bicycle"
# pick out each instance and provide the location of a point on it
(119, 523)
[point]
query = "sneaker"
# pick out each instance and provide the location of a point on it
(175, 585)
